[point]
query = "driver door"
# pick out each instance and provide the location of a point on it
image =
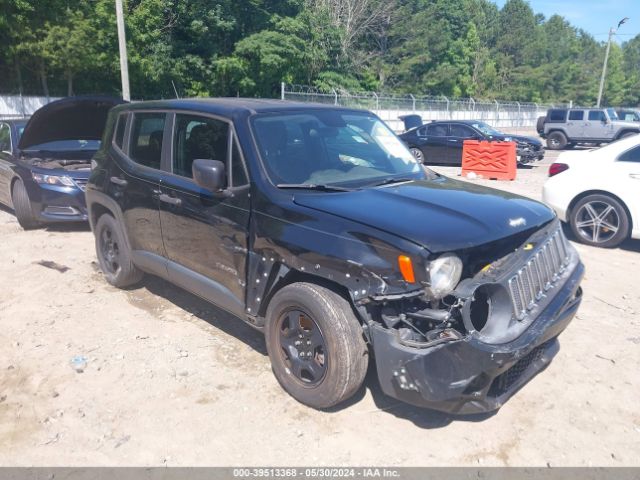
(596, 126)
(205, 234)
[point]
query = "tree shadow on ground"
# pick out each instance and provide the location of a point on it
(232, 325)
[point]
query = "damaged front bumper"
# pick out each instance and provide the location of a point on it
(467, 375)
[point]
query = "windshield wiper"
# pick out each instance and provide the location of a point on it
(315, 186)
(390, 180)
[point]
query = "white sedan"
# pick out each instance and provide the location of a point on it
(597, 192)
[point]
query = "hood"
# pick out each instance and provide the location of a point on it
(441, 215)
(518, 139)
(624, 123)
(73, 118)
(411, 121)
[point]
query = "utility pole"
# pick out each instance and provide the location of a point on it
(122, 43)
(612, 32)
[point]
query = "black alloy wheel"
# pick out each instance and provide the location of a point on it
(303, 347)
(109, 251)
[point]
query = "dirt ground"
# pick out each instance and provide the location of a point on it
(171, 380)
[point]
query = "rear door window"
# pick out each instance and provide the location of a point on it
(576, 115)
(146, 139)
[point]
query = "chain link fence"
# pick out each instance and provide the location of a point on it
(20, 106)
(389, 107)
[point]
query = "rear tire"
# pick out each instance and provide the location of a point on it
(23, 208)
(599, 220)
(417, 154)
(114, 255)
(316, 345)
(556, 141)
(540, 124)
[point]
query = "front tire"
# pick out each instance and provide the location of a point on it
(556, 141)
(627, 135)
(113, 254)
(316, 345)
(599, 220)
(23, 208)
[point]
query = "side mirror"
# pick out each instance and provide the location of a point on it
(209, 174)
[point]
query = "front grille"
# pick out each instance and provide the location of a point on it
(539, 275)
(81, 183)
(503, 382)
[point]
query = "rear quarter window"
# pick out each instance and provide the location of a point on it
(632, 155)
(118, 136)
(557, 116)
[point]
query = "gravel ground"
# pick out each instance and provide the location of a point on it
(171, 380)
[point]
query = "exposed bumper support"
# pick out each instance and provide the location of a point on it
(468, 376)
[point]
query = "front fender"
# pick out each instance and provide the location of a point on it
(361, 260)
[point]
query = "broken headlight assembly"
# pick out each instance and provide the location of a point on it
(58, 180)
(444, 275)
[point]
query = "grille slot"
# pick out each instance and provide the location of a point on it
(542, 270)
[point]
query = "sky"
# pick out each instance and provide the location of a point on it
(593, 16)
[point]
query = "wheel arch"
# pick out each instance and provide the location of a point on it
(560, 130)
(99, 204)
(622, 133)
(297, 276)
(582, 195)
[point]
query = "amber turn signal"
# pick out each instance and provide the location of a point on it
(406, 268)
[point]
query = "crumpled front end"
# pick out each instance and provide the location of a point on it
(475, 349)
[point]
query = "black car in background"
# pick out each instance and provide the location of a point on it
(316, 225)
(442, 142)
(45, 161)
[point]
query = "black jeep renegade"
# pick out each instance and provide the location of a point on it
(316, 225)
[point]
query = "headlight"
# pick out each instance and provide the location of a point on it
(62, 181)
(444, 275)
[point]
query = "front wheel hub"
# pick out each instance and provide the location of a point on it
(302, 347)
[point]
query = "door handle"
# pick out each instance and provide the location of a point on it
(452, 140)
(635, 176)
(119, 181)
(170, 200)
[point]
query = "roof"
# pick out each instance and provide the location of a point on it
(465, 122)
(231, 105)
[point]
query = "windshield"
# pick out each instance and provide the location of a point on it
(612, 114)
(486, 129)
(328, 147)
(65, 145)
